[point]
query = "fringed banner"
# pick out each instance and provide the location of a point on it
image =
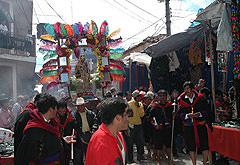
(114, 42)
(46, 52)
(114, 66)
(45, 80)
(117, 62)
(46, 57)
(50, 67)
(117, 77)
(117, 50)
(115, 56)
(51, 84)
(47, 73)
(50, 62)
(118, 71)
(114, 33)
(47, 37)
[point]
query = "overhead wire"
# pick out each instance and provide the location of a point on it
(140, 32)
(131, 11)
(123, 11)
(41, 10)
(143, 9)
(55, 11)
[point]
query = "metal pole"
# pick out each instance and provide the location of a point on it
(212, 69)
(168, 21)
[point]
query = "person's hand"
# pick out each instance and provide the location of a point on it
(137, 104)
(191, 116)
(83, 141)
(196, 115)
(69, 139)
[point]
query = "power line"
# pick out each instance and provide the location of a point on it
(55, 11)
(123, 11)
(131, 11)
(41, 10)
(141, 9)
(142, 31)
(36, 14)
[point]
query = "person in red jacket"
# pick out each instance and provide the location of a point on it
(107, 145)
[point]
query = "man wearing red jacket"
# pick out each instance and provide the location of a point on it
(107, 145)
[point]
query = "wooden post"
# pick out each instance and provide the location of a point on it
(212, 69)
(130, 75)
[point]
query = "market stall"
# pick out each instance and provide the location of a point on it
(225, 141)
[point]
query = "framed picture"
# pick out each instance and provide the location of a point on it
(62, 61)
(104, 60)
(64, 77)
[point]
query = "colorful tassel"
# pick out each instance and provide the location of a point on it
(63, 30)
(117, 62)
(69, 29)
(117, 71)
(103, 27)
(48, 37)
(114, 33)
(50, 29)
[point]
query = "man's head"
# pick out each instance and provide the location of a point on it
(155, 97)
(69, 101)
(113, 111)
(162, 96)
(120, 95)
(201, 82)
(113, 90)
(108, 94)
(205, 92)
(36, 98)
(137, 96)
(147, 99)
(47, 104)
(3, 22)
(80, 104)
(128, 96)
(62, 107)
(4, 103)
(188, 88)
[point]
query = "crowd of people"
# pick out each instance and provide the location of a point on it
(163, 123)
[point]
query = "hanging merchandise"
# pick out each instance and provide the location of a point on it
(222, 61)
(235, 37)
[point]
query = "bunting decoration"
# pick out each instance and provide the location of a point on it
(104, 46)
(236, 38)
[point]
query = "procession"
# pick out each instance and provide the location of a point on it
(98, 93)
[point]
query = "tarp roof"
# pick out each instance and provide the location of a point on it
(174, 42)
(217, 12)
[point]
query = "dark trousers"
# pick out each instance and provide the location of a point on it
(136, 136)
(80, 152)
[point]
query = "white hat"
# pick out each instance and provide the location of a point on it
(80, 101)
(136, 93)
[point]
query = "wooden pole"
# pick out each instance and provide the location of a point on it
(212, 70)
(130, 75)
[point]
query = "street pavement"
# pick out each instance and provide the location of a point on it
(181, 159)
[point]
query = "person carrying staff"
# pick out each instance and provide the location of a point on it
(194, 111)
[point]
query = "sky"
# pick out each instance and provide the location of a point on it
(137, 19)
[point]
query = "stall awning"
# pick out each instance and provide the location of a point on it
(174, 42)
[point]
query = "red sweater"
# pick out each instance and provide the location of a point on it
(103, 148)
